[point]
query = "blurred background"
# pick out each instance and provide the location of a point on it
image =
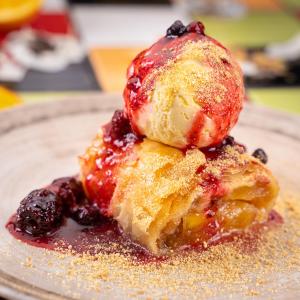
(55, 49)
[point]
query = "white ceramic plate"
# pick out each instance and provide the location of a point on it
(41, 142)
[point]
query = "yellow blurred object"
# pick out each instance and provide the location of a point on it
(110, 65)
(269, 5)
(8, 98)
(237, 214)
(14, 13)
(193, 221)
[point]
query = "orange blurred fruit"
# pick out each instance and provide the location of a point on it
(15, 13)
(8, 98)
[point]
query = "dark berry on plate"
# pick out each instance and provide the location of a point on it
(228, 141)
(261, 155)
(86, 215)
(176, 29)
(70, 190)
(39, 213)
(196, 26)
(120, 123)
(119, 130)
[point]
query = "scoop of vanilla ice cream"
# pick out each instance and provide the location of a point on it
(173, 105)
(195, 99)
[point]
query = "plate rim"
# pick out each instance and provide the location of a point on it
(9, 285)
(22, 115)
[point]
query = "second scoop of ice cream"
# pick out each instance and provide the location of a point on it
(186, 89)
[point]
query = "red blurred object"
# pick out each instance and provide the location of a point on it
(57, 23)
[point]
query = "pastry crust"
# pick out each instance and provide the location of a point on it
(152, 196)
(162, 194)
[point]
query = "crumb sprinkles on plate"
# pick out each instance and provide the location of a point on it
(220, 270)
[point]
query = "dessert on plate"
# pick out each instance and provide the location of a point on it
(165, 170)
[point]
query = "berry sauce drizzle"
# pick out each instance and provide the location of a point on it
(150, 64)
(151, 59)
(118, 140)
(99, 238)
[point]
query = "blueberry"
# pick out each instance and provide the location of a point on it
(261, 155)
(176, 29)
(70, 190)
(86, 215)
(39, 213)
(228, 141)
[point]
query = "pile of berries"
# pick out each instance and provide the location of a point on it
(44, 210)
(177, 29)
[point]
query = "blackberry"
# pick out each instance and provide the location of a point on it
(39, 213)
(118, 128)
(86, 215)
(120, 124)
(176, 29)
(69, 190)
(261, 155)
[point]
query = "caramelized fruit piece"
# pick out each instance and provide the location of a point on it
(234, 215)
(199, 228)
(193, 221)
